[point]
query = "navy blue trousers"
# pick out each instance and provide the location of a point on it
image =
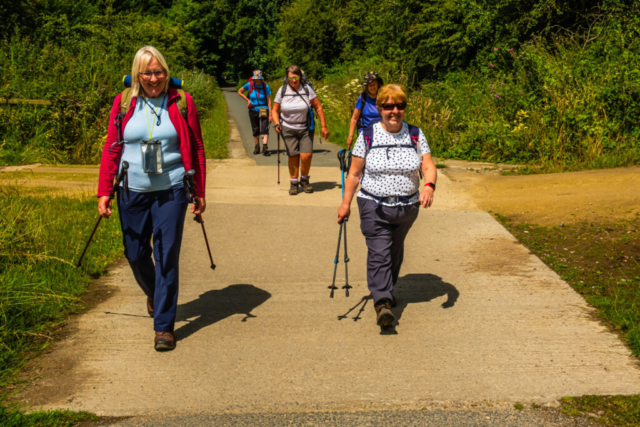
(385, 228)
(157, 214)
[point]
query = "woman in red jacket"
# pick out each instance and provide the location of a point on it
(160, 145)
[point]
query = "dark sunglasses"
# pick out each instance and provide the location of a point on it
(401, 106)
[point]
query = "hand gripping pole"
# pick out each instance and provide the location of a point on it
(198, 217)
(119, 178)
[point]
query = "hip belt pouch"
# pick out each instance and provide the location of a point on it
(263, 113)
(151, 156)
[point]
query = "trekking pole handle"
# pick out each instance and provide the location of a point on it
(123, 171)
(192, 185)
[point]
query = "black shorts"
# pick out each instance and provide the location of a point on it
(259, 126)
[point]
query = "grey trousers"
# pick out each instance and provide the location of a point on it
(385, 228)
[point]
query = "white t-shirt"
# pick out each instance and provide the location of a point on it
(393, 171)
(294, 108)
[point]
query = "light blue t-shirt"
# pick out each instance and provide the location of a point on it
(136, 131)
(369, 113)
(258, 97)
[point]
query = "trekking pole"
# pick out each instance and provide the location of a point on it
(346, 286)
(198, 217)
(279, 157)
(119, 178)
(335, 262)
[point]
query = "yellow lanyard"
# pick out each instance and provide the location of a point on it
(146, 113)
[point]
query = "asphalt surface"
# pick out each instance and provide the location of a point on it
(324, 152)
(441, 418)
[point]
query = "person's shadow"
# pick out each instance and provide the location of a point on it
(417, 288)
(324, 185)
(410, 289)
(216, 305)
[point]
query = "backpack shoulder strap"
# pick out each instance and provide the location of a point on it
(414, 132)
(125, 101)
(367, 134)
(306, 89)
(182, 104)
(283, 90)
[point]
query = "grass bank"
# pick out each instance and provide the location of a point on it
(41, 238)
(601, 261)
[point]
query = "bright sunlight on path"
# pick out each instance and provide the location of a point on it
(480, 319)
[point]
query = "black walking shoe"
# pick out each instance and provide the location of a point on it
(383, 312)
(304, 183)
(265, 150)
(256, 149)
(293, 190)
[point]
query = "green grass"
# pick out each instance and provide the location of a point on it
(51, 176)
(601, 261)
(13, 417)
(41, 238)
(609, 410)
(215, 129)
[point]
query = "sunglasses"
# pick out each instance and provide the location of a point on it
(401, 106)
(293, 79)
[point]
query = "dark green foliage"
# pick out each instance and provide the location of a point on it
(427, 39)
(76, 60)
(233, 37)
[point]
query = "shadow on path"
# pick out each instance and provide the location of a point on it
(417, 288)
(410, 289)
(216, 305)
(324, 185)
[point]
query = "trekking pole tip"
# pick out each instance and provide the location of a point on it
(213, 266)
(78, 264)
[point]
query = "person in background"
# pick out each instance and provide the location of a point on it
(259, 104)
(294, 102)
(160, 143)
(366, 112)
(386, 161)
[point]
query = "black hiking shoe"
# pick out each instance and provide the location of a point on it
(265, 150)
(293, 190)
(256, 149)
(383, 312)
(304, 182)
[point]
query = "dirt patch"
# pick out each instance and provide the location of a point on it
(594, 196)
(501, 257)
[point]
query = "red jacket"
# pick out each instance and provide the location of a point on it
(190, 137)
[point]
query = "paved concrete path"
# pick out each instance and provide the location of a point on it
(480, 319)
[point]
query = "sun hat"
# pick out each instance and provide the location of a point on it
(371, 76)
(257, 75)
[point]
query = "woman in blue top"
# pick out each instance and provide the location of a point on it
(366, 112)
(259, 104)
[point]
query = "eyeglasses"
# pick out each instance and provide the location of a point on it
(147, 74)
(401, 106)
(293, 79)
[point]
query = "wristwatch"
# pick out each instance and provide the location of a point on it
(431, 184)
